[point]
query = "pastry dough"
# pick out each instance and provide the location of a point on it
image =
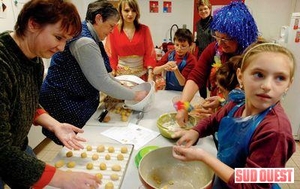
(100, 148)
(124, 149)
(109, 185)
(95, 157)
(71, 164)
(120, 157)
(107, 157)
(102, 166)
(69, 154)
(116, 168)
(89, 148)
(89, 166)
(111, 149)
(99, 175)
(114, 176)
(59, 163)
(83, 155)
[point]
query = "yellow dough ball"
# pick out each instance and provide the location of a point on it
(124, 118)
(89, 166)
(124, 149)
(114, 176)
(111, 149)
(69, 154)
(71, 164)
(100, 148)
(107, 157)
(95, 157)
(116, 168)
(102, 166)
(106, 119)
(59, 163)
(99, 176)
(89, 148)
(120, 157)
(109, 185)
(123, 113)
(117, 110)
(83, 155)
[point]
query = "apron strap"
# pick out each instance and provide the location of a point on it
(235, 108)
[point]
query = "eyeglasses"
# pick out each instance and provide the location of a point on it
(219, 39)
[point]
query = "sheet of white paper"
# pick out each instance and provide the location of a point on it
(132, 134)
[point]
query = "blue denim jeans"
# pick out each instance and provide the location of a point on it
(29, 151)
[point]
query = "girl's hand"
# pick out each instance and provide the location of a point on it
(187, 138)
(212, 102)
(182, 117)
(201, 112)
(188, 153)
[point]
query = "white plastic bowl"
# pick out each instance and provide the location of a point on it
(131, 78)
(145, 104)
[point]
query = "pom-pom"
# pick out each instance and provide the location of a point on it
(183, 105)
(236, 21)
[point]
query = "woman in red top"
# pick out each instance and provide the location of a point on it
(130, 47)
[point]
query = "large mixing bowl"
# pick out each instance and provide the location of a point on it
(159, 169)
(167, 124)
(145, 104)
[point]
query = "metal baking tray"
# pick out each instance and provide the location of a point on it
(82, 162)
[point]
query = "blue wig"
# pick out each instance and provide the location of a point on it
(236, 21)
